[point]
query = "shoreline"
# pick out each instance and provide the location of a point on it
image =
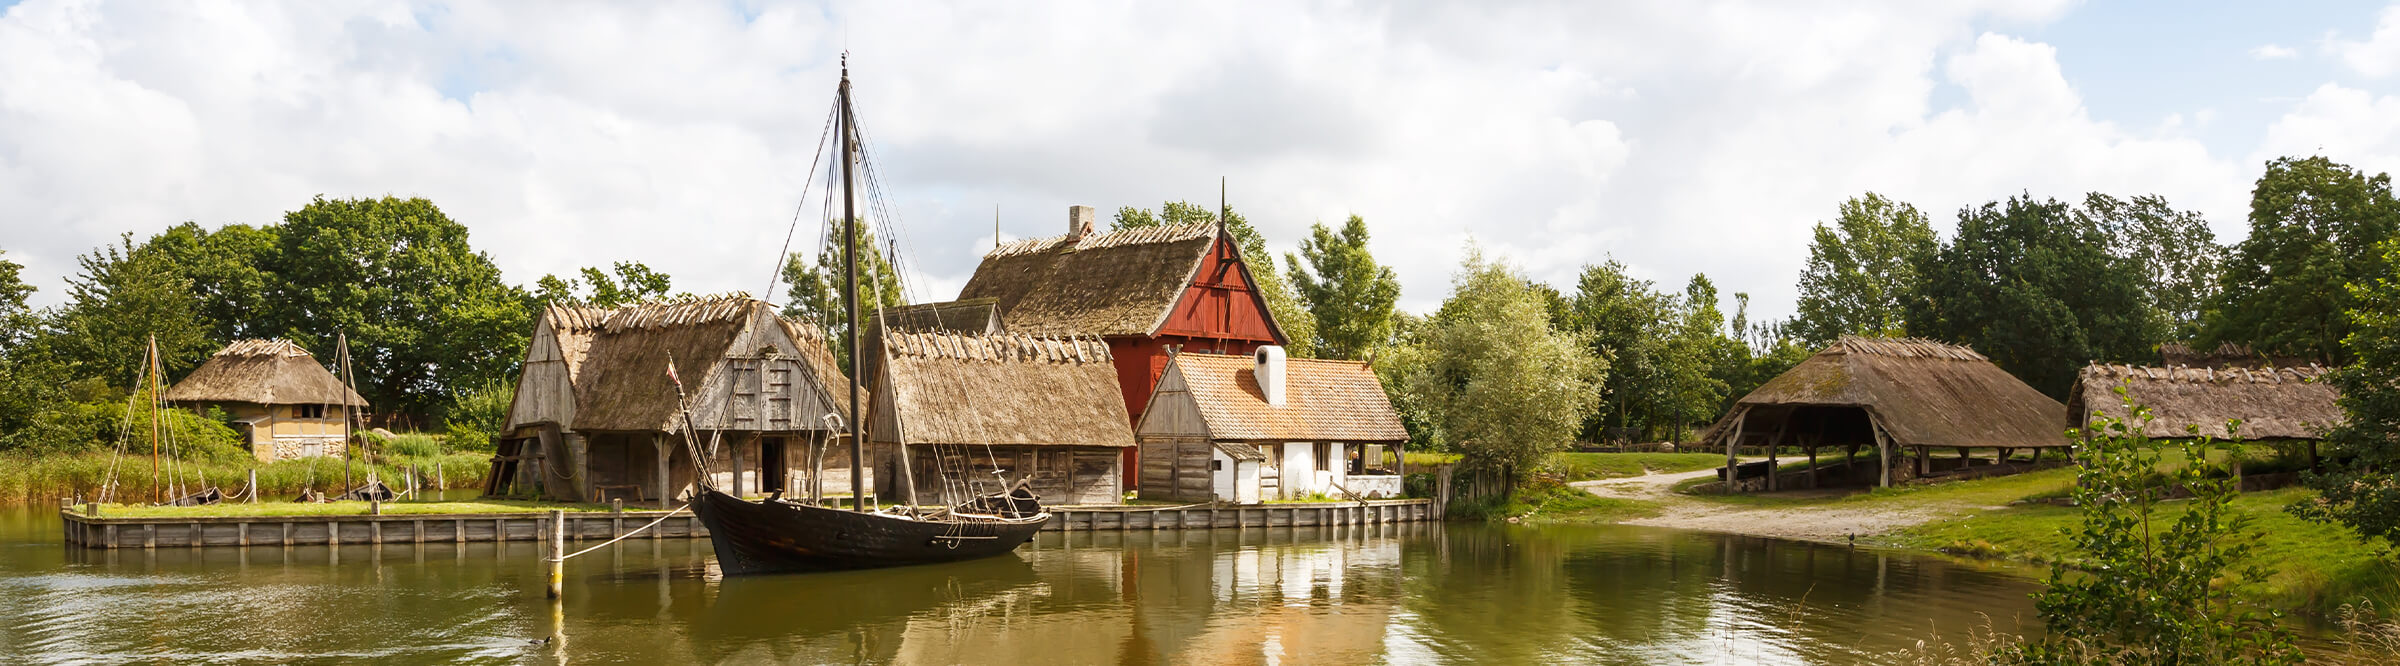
(2315, 568)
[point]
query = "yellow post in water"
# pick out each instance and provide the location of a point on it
(558, 551)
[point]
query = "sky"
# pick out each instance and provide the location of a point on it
(1677, 138)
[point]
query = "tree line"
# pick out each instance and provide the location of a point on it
(1505, 371)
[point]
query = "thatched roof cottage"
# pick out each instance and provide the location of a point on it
(285, 402)
(1892, 394)
(982, 412)
(1145, 291)
(2273, 403)
(1258, 427)
(596, 417)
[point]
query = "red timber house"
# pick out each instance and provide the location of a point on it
(1148, 292)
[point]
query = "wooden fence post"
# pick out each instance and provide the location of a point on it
(558, 552)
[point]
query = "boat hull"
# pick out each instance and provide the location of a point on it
(761, 538)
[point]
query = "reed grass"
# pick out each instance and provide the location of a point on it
(31, 478)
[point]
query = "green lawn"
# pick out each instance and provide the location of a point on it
(340, 509)
(1593, 466)
(2312, 566)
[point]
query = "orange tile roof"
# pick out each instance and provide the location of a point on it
(1323, 401)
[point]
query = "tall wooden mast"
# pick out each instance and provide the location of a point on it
(858, 453)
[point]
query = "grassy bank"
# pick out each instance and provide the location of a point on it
(1595, 466)
(2314, 567)
(44, 479)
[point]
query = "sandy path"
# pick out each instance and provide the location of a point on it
(1830, 524)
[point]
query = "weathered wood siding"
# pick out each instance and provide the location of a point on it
(1061, 475)
(545, 392)
(1174, 445)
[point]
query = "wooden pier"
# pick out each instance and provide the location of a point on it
(319, 530)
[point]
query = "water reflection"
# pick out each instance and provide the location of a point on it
(1404, 593)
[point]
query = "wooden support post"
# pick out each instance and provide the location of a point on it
(658, 443)
(1883, 451)
(1774, 447)
(1733, 439)
(254, 485)
(1812, 466)
(738, 445)
(1922, 453)
(558, 552)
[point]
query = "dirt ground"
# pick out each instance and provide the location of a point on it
(1828, 524)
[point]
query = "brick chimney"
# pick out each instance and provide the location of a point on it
(1269, 372)
(1079, 220)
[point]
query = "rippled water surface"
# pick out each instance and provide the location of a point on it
(1398, 594)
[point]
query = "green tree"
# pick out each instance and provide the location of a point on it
(1706, 357)
(29, 376)
(1628, 323)
(1290, 313)
(227, 269)
(18, 322)
(2032, 285)
(1506, 387)
(2155, 585)
(118, 301)
(1396, 365)
(633, 283)
(1861, 270)
(814, 292)
(2174, 251)
(426, 314)
(1351, 297)
(2358, 486)
(2314, 224)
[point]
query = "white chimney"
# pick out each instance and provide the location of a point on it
(1079, 220)
(1270, 374)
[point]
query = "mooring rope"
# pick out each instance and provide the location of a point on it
(637, 530)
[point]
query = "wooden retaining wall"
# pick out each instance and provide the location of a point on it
(1241, 517)
(180, 532)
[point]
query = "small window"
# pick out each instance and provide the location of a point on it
(1216, 465)
(308, 411)
(1324, 456)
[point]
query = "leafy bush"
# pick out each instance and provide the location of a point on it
(477, 415)
(101, 419)
(2148, 590)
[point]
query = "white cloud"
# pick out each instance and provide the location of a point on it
(2379, 55)
(2273, 52)
(2348, 125)
(1679, 139)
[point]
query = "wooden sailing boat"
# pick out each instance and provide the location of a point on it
(778, 535)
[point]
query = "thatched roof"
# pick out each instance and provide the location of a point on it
(1117, 283)
(267, 372)
(1324, 400)
(1011, 389)
(574, 327)
(2273, 403)
(1924, 393)
(622, 383)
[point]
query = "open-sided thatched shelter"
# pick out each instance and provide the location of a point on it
(981, 412)
(287, 403)
(2273, 403)
(596, 417)
(1892, 394)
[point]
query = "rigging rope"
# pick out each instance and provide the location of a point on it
(621, 537)
(783, 257)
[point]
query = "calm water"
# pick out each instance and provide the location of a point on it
(1404, 594)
